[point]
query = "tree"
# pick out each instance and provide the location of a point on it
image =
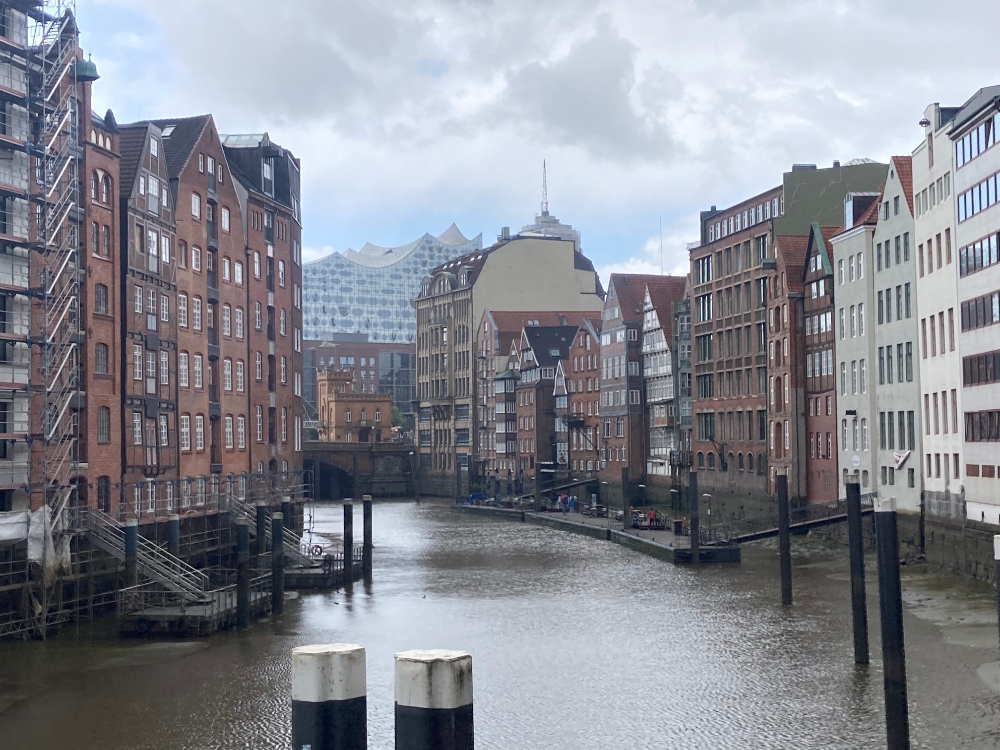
(397, 417)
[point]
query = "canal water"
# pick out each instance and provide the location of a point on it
(576, 643)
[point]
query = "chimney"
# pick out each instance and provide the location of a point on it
(504, 233)
(836, 163)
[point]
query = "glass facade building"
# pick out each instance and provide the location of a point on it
(368, 291)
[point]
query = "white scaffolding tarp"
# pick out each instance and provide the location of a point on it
(13, 527)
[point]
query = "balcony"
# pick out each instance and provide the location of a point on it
(213, 234)
(13, 271)
(211, 186)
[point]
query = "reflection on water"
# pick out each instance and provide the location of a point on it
(576, 643)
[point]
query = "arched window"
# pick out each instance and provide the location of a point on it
(106, 190)
(864, 478)
(93, 186)
(739, 462)
(760, 463)
(749, 461)
(701, 460)
(104, 490)
(101, 299)
(103, 429)
(711, 460)
(101, 358)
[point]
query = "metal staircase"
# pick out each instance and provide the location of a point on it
(152, 561)
(292, 541)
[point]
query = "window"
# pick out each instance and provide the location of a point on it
(238, 272)
(226, 320)
(259, 367)
(182, 369)
(227, 374)
(239, 376)
(185, 432)
(182, 310)
(226, 265)
(103, 424)
(199, 432)
(260, 423)
(195, 258)
(164, 367)
(195, 205)
(164, 308)
(284, 371)
(136, 361)
(284, 426)
(239, 322)
(196, 313)
(283, 333)
(241, 432)
(225, 219)
(197, 371)
(281, 273)
(229, 432)
(257, 322)
(137, 428)
(256, 265)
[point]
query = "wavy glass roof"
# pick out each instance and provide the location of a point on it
(369, 290)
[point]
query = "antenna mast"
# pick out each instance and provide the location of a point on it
(661, 244)
(545, 191)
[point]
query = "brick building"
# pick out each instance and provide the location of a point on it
(103, 307)
(582, 368)
(147, 292)
(517, 273)
(496, 333)
(625, 432)
(349, 415)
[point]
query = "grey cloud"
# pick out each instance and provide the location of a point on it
(585, 98)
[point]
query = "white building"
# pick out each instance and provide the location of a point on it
(854, 293)
(938, 311)
(894, 323)
(974, 134)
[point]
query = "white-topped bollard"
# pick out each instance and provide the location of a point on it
(329, 697)
(434, 700)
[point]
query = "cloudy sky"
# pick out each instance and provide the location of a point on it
(411, 114)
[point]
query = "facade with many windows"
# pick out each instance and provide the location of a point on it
(938, 315)
(854, 294)
(974, 133)
(897, 340)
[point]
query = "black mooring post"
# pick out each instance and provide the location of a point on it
(693, 509)
(242, 573)
(897, 722)
(348, 543)
(277, 564)
(174, 534)
(262, 517)
(859, 602)
(366, 550)
(784, 540)
(625, 488)
(131, 552)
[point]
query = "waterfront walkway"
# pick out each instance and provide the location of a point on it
(662, 544)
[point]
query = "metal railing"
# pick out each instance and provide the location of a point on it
(151, 560)
(733, 532)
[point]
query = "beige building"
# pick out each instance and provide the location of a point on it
(517, 273)
(350, 416)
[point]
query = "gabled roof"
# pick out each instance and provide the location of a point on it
(549, 344)
(181, 140)
(819, 238)
(630, 291)
(131, 143)
(664, 291)
(870, 216)
(505, 321)
(792, 250)
(904, 173)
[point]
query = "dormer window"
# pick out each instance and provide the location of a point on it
(268, 177)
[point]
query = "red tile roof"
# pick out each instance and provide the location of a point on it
(630, 290)
(664, 291)
(904, 171)
(513, 321)
(791, 251)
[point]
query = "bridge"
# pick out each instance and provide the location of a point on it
(342, 470)
(800, 520)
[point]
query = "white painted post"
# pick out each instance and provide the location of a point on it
(329, 697)
(434, 700)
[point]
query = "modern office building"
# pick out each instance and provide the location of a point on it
(368, 291)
